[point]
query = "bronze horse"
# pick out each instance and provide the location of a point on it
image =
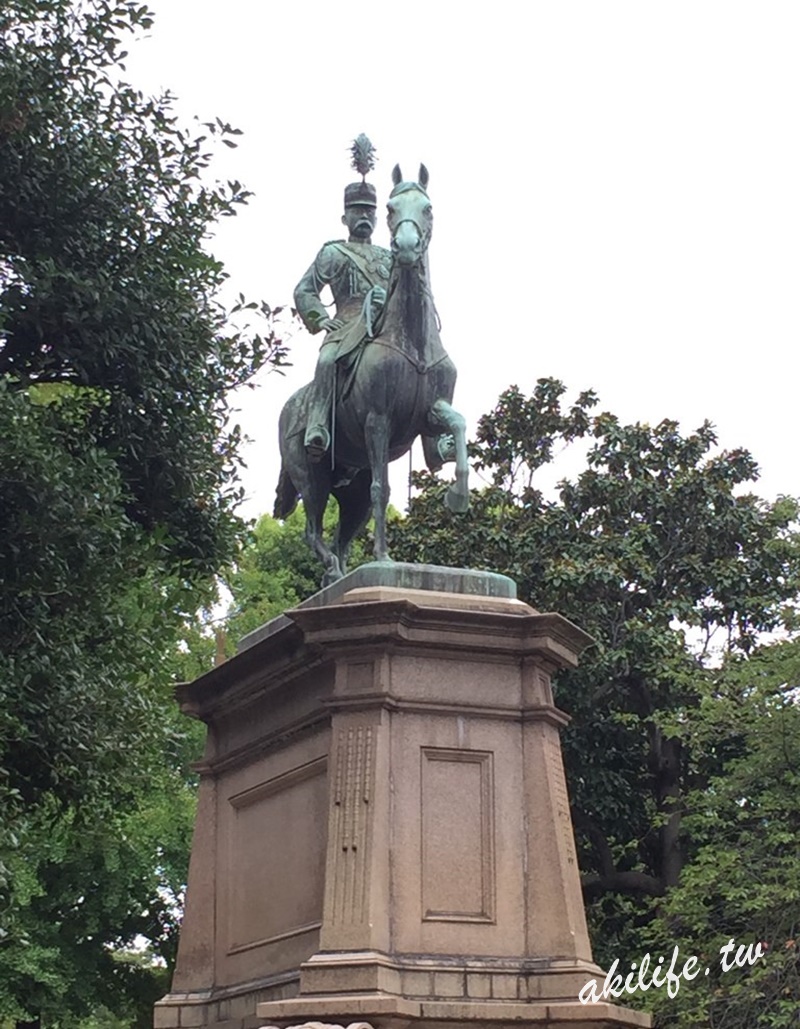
(394, 386)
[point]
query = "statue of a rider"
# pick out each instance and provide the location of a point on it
(357, 272)
(352, 268)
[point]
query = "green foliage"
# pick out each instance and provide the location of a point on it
(89, 612)
(277, 569)
(86, 894)
(86, 605)
(104, 280)
(742, 880)
(117, 496)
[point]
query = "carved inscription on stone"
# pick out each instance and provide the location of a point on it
(545, 688)
(352, 795)
(558, 787)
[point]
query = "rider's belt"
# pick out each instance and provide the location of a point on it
(350, 308)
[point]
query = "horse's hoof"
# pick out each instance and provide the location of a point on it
(332, 574)
(456, 502)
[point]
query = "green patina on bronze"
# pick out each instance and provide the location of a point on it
(382, 379)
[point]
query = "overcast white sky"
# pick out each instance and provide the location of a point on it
(616, 188)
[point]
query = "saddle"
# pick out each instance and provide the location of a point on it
(350, 349)
(360, 330)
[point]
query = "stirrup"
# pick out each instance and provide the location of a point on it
(317, 442)
(446, 447)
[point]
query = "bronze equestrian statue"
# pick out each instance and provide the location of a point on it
(383, 367)
(351, 269)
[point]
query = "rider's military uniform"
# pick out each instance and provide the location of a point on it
(351, 269)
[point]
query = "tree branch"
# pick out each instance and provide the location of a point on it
(610, 880)
(621, 882)
(598, 840)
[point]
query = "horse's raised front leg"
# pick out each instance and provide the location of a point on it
(376, 432)
(457, 496)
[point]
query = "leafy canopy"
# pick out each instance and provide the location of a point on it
(118, 489)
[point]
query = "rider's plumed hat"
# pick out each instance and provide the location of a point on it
(363, 160)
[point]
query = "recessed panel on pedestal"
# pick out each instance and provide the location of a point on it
(276, 857)
(457, 835)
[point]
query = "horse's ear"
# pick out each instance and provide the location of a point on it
(423, 176)
(397, 175)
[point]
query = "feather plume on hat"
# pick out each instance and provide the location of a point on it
(363, 155)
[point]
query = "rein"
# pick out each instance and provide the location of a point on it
(375, 325)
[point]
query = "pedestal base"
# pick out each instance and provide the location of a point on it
(405, 1013)
(383, 831)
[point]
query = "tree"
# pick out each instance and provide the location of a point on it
(653, 545)
(105, 280)
(741, 881)
(117, 472)
(98, 907)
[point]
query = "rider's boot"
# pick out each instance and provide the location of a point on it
(318, 438)
(438, 450)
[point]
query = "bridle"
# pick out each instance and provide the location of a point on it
(424, 235)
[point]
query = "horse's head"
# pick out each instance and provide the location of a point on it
(410, 217)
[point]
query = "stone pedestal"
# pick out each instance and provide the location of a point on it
(384, 832)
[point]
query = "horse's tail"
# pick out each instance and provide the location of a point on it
(286, 495)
